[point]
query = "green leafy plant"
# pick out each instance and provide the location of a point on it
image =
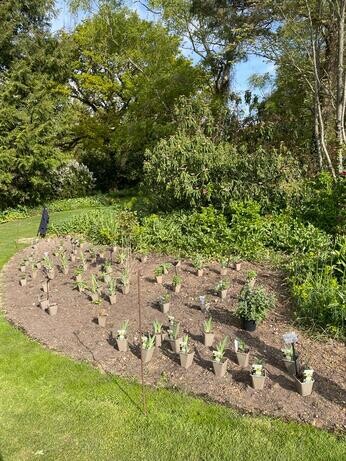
(107, 267)
(148, 341)
(158, 271)
(166, 267)
(47, 263)
(198, 262)
(185, 344)
(208, 325)
(241, 345)
(257, 368)
(254, 304)
(125, 277)
(64, 262)
(157, 327)
(176, 280)
(173, 329)
(224, 262)
(112, 287)
(222, 285)
(251, 275)
(80, 285)
(94, 286)
(219, 352)
(165, 298)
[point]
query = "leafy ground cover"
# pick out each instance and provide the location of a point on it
(52, 408)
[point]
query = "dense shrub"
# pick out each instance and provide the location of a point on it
(72, 180)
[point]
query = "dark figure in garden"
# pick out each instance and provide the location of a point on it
(42, 230)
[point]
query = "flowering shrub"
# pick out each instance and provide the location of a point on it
(72, 179)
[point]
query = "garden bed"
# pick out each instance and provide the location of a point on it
(74, 331)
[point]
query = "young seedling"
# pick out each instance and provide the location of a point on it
(176, 283)
(121, 336)
(107, 267)
(242, 352)
(222, 288)
(158, 272)
(258, 375)
(204, 304)
(80, 285)
(208, 332)
(173, 334)
(165, 268)
(125, 281)
(48, 267)
(186, 356)
(165, 303)
(64, 264)
(219, 362)
(157, 329)
(33, 270)
(148, 346)
(83, 260)
(251, 279)
(224, 262)
(94, 290)
(78, 273)
(198, 265)
(112, 288)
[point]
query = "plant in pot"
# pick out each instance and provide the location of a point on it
(166, 267)
(125, 281)
(83, 260)
(251, 278)
(121, 337)
(185, 354)
(94, 290)
(48, 267)
(23, 281)
(107, 267)
(102, 317)
(33, 270)
(208, 334)
(253, 306)
(258, 375)
(158, 272)
(148, 347)
(78, 273)
(176, 283)
(165, 303)
(173, 334)
(80, 285)
(157, 329)
(304, 381)
(290, 356)
(222, 288)
(63, 263)
(242, 352)
(236, 263)
(52, 309)
(219, 360)
(112, 288)
(204, 304)
(224, 265)
(198, 265)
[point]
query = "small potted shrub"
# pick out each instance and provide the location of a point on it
(258, 375)
(173, 335)
(304, 381)
(219, 360)
(102, 317)
(242, 352)
(208, 334)
(158, 272)
(121, 337)
(289, 353)
(23, 281)
(125, 281)
(198, 265)
(112, 288)
(48, 267)
(222, 288)
(64, 264)
(253, 306)
(107, 267)
(165, 303)
(176, 283)
(83, 260)
(78, 273)
(186, 356)
(251, 278)
(224, 266)
(94, 290)
(148, 347)
(157, 329)
(52, 309)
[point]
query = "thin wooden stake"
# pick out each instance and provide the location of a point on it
(140, 333)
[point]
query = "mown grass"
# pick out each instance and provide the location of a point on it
(52, 408)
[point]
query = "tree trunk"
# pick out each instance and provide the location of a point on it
(340, 93)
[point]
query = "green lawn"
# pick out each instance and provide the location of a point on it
(52, 408)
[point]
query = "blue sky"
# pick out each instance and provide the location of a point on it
(241, 73)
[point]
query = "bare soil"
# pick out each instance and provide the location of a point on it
(74, 331)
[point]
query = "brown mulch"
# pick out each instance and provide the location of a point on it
(74, 331)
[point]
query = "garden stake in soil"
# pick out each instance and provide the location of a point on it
(140, 332)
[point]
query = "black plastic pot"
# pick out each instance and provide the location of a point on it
(248, 325)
